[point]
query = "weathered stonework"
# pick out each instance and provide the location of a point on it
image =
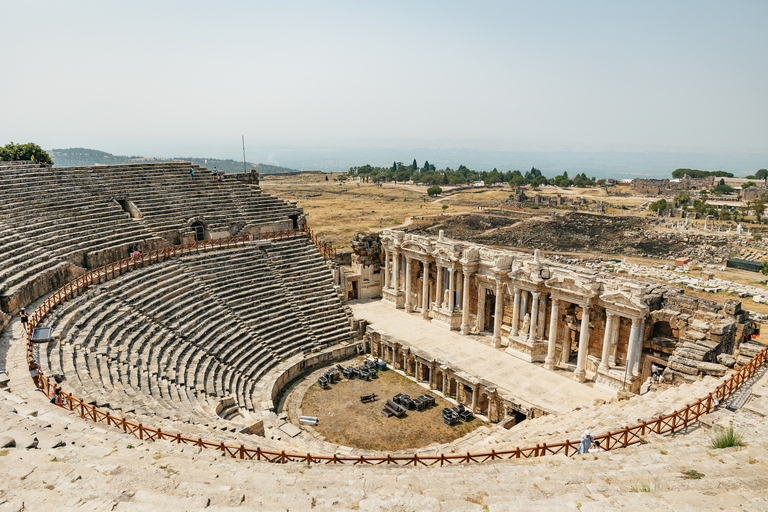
(608, 329)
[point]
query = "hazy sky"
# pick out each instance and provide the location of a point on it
(165, 78)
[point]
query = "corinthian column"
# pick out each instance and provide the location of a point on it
(534, 317)
(516, 313)
(581, 362)
(498, 314)
(607, 339)
(549, 362)
(407, 284)
(465, 304)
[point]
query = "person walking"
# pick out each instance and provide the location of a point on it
(215, 172)
(24, 319)
(191, 173)
(586, 443)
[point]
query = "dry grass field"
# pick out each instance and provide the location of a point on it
(347, 421)
(336, 211)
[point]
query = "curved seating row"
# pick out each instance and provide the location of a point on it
(53, 217)
(177, 339)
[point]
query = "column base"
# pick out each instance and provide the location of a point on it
(394, 297)
(580, 376)
(613, 379)
(550, 364)
(527, 350)
(496, 342)
(444, 317)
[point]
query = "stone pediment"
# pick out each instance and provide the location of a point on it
(622, 299)
(523, 273)
(416, 246)
(444, 254)
(573, 286)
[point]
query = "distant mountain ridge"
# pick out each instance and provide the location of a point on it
(78, 157)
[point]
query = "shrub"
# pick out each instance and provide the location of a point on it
(726, 438)
(692, 474)
(434, 191)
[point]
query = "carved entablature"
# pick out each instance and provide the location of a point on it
(573, 289)
(526, 277)
(470, 255)
(416, 246)
(623, 303)
(445, 257)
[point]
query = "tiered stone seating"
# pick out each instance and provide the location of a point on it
(56, 209)
(303, 271)
(168, 198)
(53, 217)
(173, 339)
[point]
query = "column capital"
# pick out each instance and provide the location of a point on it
(536, 294)
(585, 308)
(636, 321)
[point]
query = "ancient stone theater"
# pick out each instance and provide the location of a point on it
(155, 306)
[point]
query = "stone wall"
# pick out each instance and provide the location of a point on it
(13, 299)
(367, 249)
(752, 193)
(700, 330)
(651, 187)
(305, 364)
(96, 259)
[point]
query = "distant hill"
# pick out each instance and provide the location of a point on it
(78, 157)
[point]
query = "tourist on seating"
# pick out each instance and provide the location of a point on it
(596, 448)
(218, 179)
(34, 372)
(56, 398)
(24, 319)
(130, 251)
(215, 172)
(191, 173)
(586, 443)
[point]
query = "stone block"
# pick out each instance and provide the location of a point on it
(683, 365)
(714, 369)
(732, 306)
(727, 360)
(7, 442)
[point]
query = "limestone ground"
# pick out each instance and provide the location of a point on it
(345, 420)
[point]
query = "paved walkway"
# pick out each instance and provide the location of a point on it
(551, 391)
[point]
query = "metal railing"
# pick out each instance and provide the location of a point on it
(621, 438)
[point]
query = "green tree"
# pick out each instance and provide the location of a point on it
(748, 184)
(722, 188)
(764, 270)
(683, 199)
(434, 191)
(414, 165)
(29, 151)
(517, 179)
(758, 206)
(761, 174)
(394, 166)
(657, 206)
